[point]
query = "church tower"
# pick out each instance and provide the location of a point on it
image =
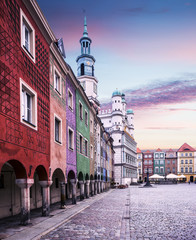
(85, 68)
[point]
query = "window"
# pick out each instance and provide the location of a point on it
(139, 164)
(190, 154)
(70, 100)
(182, 161)
(156, 170)
(150, 170)
(186, 169)
(186, 154)
(161, 170)
(157, 162)
(57, 127)
(182, 170)
(156, 155)
(81, 144)
(174, 162)
(145, 156)
(145, 170)
(150, 161)
(81, 110)
(91, 151)
(71, 138)
(168, 161)
(150, 156)
(190, 169)
(146, 162)
(95, 88)
(83, 84)
(168, 170)
(161, 162)
(173, 170)
(27, 36)
(86, 148)
(86, 118)
(162, 155)
(190, 161)
(57, 82)
(28, 101)
(186, 161)
(182, 154)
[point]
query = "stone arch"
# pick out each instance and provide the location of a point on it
(71, 175)
(58, 182)
(10, 203)
(95, 176)
(80, 176)
(91, 177)
(41, 172)
(87, 177)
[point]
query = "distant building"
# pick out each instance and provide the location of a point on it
(187, 162)
(170, 162)
(159, 162)
(119, 123)
(139, 165)
(147, 164)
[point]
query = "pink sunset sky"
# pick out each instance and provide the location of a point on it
(146, 49)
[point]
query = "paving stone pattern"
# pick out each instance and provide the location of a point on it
(162, 212)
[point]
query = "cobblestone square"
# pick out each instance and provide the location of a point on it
(161, 212)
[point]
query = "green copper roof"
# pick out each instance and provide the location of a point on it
(85, 33)
(116, 93)
(129, 111)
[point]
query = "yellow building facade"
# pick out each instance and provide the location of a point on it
(187, 162)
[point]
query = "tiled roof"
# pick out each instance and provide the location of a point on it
(158, 150)
(148, 151)
(138, 150)
(186, 147)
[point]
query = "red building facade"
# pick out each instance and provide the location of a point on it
(171, 162)
(147, 164)
(24, 108)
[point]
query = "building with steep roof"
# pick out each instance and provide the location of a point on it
(118, 121)
(159, 162)
(139, 165)
(170, 161)
(186, 162)
(147, 164)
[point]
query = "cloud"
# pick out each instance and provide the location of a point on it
(159, 93)
(165, 128)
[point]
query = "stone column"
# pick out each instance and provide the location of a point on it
(92, 187)
(87, 188)
(95, 187)
(63, 197)
(81, 190)
(24, 185)
(73, 184)
(101, 185)
(45, 197)
(98, 187)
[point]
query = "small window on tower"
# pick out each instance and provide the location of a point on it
(82, 69)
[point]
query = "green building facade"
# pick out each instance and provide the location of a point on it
(83, 135)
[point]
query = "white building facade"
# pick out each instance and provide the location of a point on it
(119, 123)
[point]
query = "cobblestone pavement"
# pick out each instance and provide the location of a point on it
(104, 219)
(162, 212)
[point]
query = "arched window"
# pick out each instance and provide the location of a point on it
(82, 69)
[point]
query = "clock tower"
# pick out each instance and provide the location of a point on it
(85, 68)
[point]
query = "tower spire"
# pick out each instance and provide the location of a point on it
(85, 33)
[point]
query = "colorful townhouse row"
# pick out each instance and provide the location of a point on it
(180, 161)
(53, 145)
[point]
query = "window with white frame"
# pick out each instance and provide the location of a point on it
(81, 110)
(70, 100)
(28, 102)
(190, 161)
(156, 170)
(81, 144)
(161, 170)
(186, 169)
(186, 154)
(57, 129)
(86, 147)
(27, 36)
(186, 161)
(190, 169)
(86, 117)
(182, 161)
(182, 170)
(150, 170)
(57, 82)
(71, 138)
(91, 125)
